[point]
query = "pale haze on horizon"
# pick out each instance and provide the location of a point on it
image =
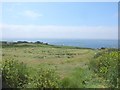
(63, 20)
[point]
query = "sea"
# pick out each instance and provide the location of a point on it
(85, 43)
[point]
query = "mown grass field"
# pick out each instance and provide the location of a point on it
(63, 59)
(71, 64)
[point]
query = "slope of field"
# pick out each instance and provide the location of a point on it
(67, 61)
(63, 59)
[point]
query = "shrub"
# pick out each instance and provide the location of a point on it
(106, 66)
(46, 78)
(14, 74)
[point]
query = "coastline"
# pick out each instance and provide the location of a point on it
(44, 43)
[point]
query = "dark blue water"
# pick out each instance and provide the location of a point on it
(89, 43)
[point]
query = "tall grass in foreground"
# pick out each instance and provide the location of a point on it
(79, 79)
(83, 78)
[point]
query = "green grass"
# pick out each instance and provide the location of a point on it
(83, 78)
(52, 56)
(71, 64)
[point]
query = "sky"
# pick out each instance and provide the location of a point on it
(79, 20)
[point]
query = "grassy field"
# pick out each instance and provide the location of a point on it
(70, 63)
(63, 59)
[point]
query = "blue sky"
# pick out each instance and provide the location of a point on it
(89, 20)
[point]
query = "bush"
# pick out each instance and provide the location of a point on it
(46, 79)
(17, 75)
(106, 66)
(14, 74)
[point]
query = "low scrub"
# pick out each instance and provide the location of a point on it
(46, 79)
(17, 75)
(14, 74)
(106, 66)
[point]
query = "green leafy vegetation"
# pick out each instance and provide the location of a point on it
(46, 79)
(14, 74)
(78, 79)
(106, 66)
(83, 78)
(28, 65)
